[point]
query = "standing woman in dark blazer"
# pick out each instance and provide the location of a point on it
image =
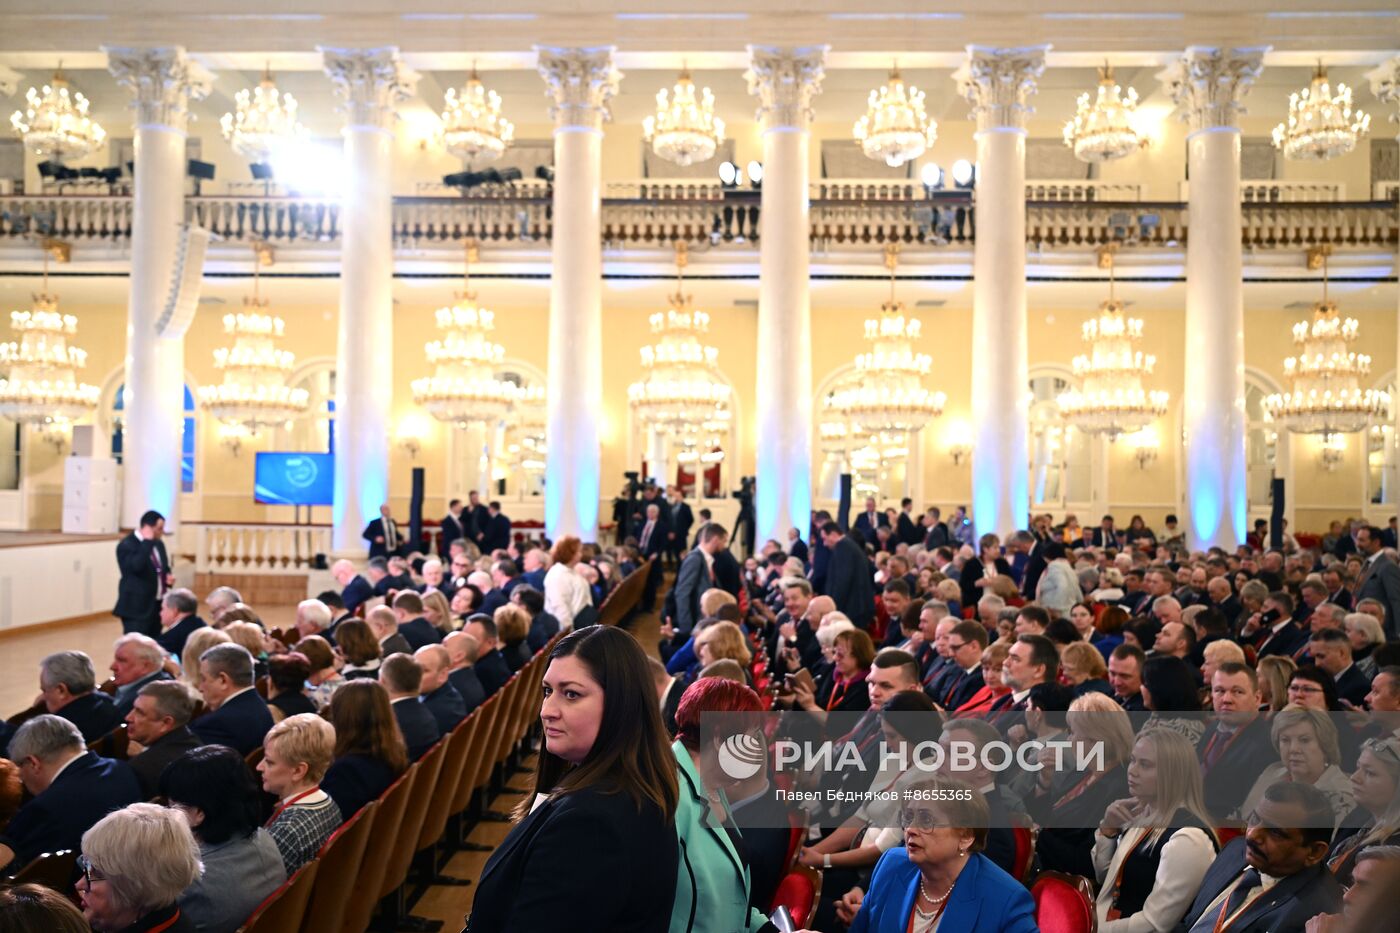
(595, 847)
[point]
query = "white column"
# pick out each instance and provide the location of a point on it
(1208, 85)
(997, 83)
(1385, 84)
(162, 81)
(580, 83)
(369, 82)
(784, 80)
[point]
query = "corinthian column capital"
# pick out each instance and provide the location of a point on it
(1208, 84)
(579, 83)
(785, 81)
(162, 82)
(997, 83)
(371, 83)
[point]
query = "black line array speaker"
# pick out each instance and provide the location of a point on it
(415, 511)
(843, 511)
(1276, 518)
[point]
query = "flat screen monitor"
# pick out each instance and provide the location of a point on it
(294, 479)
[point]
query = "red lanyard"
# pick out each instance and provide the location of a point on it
(167, 924)
(287, 803)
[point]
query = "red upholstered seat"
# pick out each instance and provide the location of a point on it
(1228, 833)
(1025, 851)
(1063, 903)
(798, 894)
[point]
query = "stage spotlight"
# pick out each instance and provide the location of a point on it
(964, 173)
(728, 174)
(931, 175)
(545, 173)
(755, 172)
(489, 176)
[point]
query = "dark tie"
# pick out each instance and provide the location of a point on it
(646, 536)
(1248, 882)
(957, 682)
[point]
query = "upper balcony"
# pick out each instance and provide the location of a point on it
(846, 215)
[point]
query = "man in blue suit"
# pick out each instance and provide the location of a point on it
(68, 688)
(401, 676)
(496, 535)
(240, 718)
(435, 691)
(870, 521)
(383, 534)
(72, 787)
(178, 620)
(417, 630)
(355, 589)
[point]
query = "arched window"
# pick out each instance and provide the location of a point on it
(188, 437)
(1061, 457)
(1260, 443)
(314, 430)
(883, 465)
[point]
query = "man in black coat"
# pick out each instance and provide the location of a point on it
(496, 536)
(401, 676)
(454, 527)
(145, 576)
(848, 580)
(906, 529)
(1237, 746)
(383, 534)
(159, 723)
(870, 521)
(461, 652)
(682, 520)
(136, 661)
(240, 718)
(1380, 578)
(68, 687)
(416, 630)
(653, 536)
(72, 787)
(491, 667)
(436, 692)
(1287, 841)
(178, 620)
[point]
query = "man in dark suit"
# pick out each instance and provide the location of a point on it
(453, 526)
(145, 576)
(385, 625)
(436, 692)
(1274, 632)
(1035, 557)
(1125, 676)
(505, 577)
(355, 589)
(870, 521)
(678, 533)
(796, 547)
(416, 630)
(401, 676)
(136, 661)
(1380, 577)
(496, 536)
(1331, 650)
(848, 580)
(543, 626)
(72, 788)
(962, 678)
(461, 652)
(239, 718)
(1337, 593)
(491, 667)
(68, 688)
(1236, 747)
(695, 577)
(159, 723)
(1287, 841)
(1106, 535)
(906, 529)
(383, 534)
(477, 517)
(653, 537)
(935, 530)
(178, 620)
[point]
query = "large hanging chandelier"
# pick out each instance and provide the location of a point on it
(472, 125)
(1112, 400)
(1103, 131)
(1325, 395)
(895, 129)
(55, 122)
(464, 388)
(265, 118)
(42, 386)
(1321, 124)
(685, 129)
(888, 394)
(681, 386)
(254, 391)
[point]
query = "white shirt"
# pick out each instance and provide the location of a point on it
(1185, 858)
(565, 594)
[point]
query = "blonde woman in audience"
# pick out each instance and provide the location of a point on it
(1365, 634)
(1083, 668)
(1221, 651)
(712, 599)
(1274, 673)
(200, 641)
(438, 611)
(1153, 847)
(253, 638)
(1309, 753)
(296, 754)
(512, 627)
(722, 641)
(238, 612)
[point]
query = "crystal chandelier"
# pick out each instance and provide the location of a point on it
(464, 388)
(1325, 396)
(1112, 399)
(681, 386)
(472, 125)
(254, 391)
(1320, 124)
(1104, 131)
(55, 123)
(685, 129)
(265, 119)
(895, 128)
(42, 386)
(888, 393)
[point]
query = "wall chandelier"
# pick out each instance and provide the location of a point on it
(55, 122)
(264, 118)
(1321, 124)
(472, 125)
(1103, 130)
(895, 128)
(685, 129)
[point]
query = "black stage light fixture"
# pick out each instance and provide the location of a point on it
(545, 173)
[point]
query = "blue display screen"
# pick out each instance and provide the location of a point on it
(294, 479)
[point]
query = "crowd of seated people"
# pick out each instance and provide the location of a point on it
(1245, 708)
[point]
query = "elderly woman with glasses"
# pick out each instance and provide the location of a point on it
(939, 879)
(1376, 820)
(1308, 752)
(135, 863)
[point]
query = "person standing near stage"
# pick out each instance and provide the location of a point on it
(145, 576)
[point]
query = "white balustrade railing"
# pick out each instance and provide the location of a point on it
(70, 217)
(261, 549)
(1283, 192)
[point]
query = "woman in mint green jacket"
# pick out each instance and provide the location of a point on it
(712, 883)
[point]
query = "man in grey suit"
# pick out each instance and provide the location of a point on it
(696, 576)
(848, 580)
(1380, 578)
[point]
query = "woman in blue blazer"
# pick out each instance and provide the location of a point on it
(939, 877)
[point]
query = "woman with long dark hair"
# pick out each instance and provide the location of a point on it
(369, 748)
(595, 847)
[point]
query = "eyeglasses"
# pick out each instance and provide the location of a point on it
(1390, 748)
(920, 819)
(958, 647)
(90, 874)
(1304, 688)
